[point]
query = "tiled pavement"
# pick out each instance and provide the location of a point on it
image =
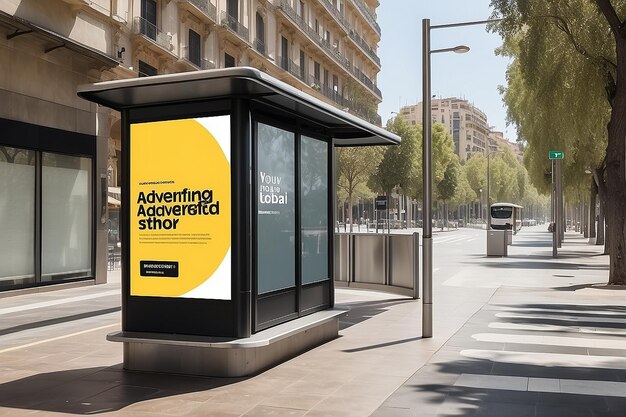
(512, 338)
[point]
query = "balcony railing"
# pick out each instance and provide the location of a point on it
(347, 103)
(234, 25)
(325, 44)
(259, 45)
(206, 7)
(336, 14)
(364, 45)
(293, 68)
(369, 15)
(199, 63)
(365, 80)
(143, 27)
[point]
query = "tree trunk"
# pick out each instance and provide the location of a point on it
(616, 176)
(592, 209)
(350, 209)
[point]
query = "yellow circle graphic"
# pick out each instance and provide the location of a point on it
(180, 208)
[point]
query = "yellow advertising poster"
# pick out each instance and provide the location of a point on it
(180, 208)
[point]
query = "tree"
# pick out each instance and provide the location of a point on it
(400, 164)
(354, 168)
(446, 188)
(573, 55)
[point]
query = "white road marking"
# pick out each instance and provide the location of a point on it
(547, 359)
(547, 340)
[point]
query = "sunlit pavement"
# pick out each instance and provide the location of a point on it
(525, 335)
(548, 341)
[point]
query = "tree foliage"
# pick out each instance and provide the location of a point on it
(400, 165)
(567, 91)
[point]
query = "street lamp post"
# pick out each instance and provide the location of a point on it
(427, 239)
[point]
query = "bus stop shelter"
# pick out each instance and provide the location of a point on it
(227, 218)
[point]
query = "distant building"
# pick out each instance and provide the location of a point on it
(498, 141)
(466, 124)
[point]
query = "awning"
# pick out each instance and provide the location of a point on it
(243, 82)
(25, 27)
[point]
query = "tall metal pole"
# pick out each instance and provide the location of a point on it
(488, 195)
(553, 217)
(427, 242)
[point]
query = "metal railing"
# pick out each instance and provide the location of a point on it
(143, 27)
(387, 262)
(259, 46)
(365, 80)
(200, 63)
(291, 67)
(325, 44)
(206, 7)
(368, 14)
(364, 45)
(336, 14)
(235, 26)
(347, 103)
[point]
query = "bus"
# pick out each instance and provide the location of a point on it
(506, 216)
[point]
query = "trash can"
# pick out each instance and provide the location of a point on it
(496, 242)
(509, 237)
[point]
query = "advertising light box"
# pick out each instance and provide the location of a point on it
(180, 211)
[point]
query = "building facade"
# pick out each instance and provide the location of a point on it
(67, 151)
(466, 123)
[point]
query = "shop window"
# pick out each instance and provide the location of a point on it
(66, 216)
(17, 215)
(46, 217)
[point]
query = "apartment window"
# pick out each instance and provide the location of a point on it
(317, 26)
(300, 10)
(284, 51)
(316, 71)
(229, 60)
(260, 34)
(335, 83)
(146, 70)
(66, 216)
(194, 47)
(232, 9)
(302, 64)
(326, 77)
(149, 18)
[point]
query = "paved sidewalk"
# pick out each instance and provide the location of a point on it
(512, 338)
(550, 342)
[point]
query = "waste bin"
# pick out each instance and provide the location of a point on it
(509, 237)
(496, 242)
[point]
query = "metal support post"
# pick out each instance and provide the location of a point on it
(553, 216)
(427, 243)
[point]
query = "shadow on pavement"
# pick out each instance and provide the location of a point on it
(363, 310)
(98, 390)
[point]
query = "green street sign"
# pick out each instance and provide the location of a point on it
(556, 155)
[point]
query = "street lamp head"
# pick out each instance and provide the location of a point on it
(461, 49)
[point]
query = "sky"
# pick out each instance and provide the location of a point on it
(474, 76)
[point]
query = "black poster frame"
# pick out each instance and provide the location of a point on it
(287, 304)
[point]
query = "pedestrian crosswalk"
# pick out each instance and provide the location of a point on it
(546, 342)
(455, 238)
